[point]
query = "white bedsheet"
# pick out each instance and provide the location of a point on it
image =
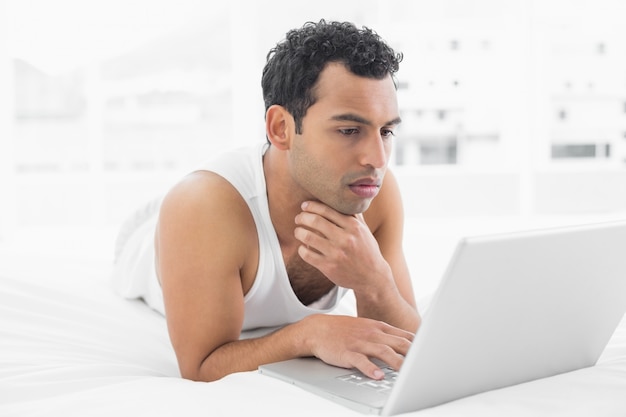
(70, 347)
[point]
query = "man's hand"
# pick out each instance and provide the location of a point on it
(368, 261)
(342, 247)
(352, 342)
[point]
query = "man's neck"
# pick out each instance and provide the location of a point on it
(284, 205)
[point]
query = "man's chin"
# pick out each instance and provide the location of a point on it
(353, 209)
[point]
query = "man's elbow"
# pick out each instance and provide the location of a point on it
(198, 372)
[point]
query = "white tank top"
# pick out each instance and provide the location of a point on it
(270, 302)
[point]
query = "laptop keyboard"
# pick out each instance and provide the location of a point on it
(383, 385)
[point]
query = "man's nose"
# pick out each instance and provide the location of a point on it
(375, 151)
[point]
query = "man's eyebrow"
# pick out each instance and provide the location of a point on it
(395, 121)
(350, 117)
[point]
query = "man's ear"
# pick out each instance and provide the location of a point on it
(279, 127)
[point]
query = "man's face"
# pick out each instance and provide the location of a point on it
(342, 154)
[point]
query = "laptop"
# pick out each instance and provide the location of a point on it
(510, 308)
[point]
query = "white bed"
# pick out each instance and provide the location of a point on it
(70, 347)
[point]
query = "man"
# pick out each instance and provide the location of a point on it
(275, 234)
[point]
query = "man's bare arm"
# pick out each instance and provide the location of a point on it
(389, 235)
(344, 341)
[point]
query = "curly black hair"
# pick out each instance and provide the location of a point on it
(294, 65)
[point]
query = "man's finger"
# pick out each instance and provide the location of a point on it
(366, 366)
(326, 212)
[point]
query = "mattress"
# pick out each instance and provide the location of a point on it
(69, 346)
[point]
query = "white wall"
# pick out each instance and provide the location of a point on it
(7, 191)
(509, 82)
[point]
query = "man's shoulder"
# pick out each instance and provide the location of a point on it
(202, 193)
(200, 183)
(387, 206)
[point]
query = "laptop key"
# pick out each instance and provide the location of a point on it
(382, 385)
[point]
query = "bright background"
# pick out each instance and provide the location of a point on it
(514, 110)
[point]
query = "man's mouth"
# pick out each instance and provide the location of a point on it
(366, 188)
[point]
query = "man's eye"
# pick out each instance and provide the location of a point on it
(387, 133)
(349, 132)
